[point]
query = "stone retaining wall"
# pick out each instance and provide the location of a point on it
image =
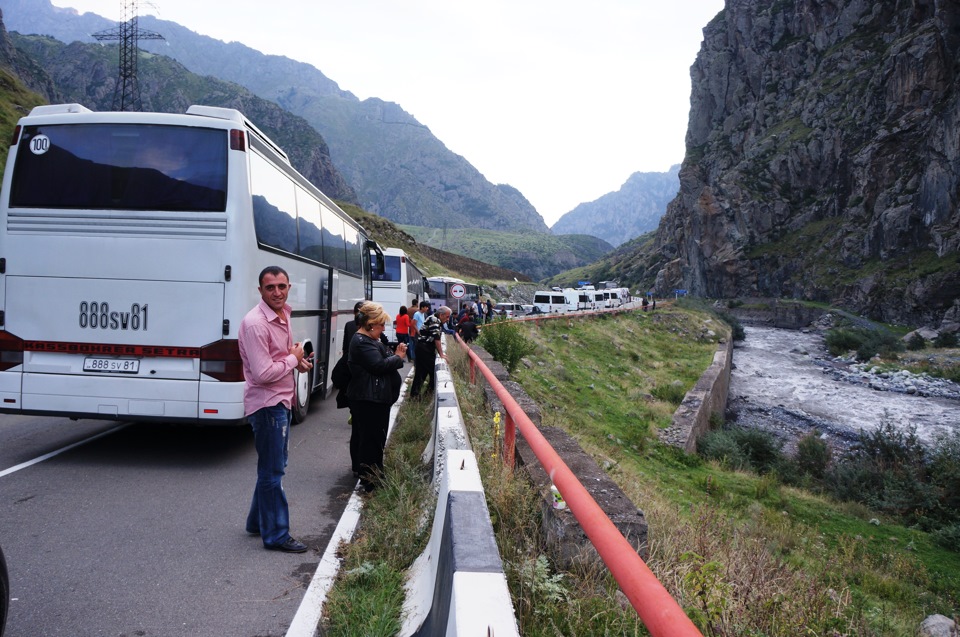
(708, 396)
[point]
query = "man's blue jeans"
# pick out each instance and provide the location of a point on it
(269, 513)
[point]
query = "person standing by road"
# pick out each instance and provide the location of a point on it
(269, 357)
(350, 329)
(421, 315)
(374, 386)
(467, 328)
(428, 349)
(402, 324)
(414, 331)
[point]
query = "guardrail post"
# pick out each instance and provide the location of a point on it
(509, 441)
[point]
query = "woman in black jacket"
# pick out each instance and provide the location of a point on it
(374, 387)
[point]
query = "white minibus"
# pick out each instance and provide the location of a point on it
(550, 301)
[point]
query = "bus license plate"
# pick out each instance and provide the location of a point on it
(111, 365)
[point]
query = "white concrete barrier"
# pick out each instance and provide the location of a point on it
(457, 585)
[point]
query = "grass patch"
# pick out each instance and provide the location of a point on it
(367, 599)
(743, 553)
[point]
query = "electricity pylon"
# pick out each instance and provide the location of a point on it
(126, 96)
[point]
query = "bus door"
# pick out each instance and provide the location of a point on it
(324, 327)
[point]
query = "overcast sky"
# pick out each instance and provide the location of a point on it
(562, 100)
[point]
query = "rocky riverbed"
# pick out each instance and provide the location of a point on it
(785, 382)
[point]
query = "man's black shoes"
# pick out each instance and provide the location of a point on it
(290, 546)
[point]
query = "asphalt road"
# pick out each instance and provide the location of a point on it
(140, 532)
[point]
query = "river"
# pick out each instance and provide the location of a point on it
(785, 382)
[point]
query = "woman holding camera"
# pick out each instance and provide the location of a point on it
(374, 386)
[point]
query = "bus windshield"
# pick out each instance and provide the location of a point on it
(121, 167)
(437, 289)
(391, 269)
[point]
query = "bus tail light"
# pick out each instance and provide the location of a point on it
(221, 360)
(237, 140)
(11, 351)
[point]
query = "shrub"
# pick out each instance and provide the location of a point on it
(945, 339)
(813, 456)
(840, 341)
(739, 448)
(672, 393)
(867, 343)
(915, 342)
(722, 447)
(948, 537)
(890, 469)
(737, 332)
(505, 342)
(763, 450)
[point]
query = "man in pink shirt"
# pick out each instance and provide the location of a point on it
(269, 357)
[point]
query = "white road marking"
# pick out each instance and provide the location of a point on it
(30, 463)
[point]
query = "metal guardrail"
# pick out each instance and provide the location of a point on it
(659, 612)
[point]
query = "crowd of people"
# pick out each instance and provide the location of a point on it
(367, 378)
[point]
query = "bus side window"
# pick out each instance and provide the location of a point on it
(334, 246)
(310, 226)
(274, 206)
(354, 250)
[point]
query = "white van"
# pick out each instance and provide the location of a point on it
(550, 301)
(508, 310)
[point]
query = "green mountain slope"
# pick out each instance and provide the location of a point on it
(86, 73)
(536, 255)
(397, 167)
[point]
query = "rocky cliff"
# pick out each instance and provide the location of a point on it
(823, 159)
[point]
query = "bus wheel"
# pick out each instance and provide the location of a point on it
(301, 398)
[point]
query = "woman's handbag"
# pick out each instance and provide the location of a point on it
(340, 376)
(396, 384)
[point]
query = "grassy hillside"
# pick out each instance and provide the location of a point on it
(432, 261)
(626, 264)
(536, 255)
(16, 100)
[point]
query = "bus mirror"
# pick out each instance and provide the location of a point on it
(377, 261)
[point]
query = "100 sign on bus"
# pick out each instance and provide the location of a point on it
(194, 206)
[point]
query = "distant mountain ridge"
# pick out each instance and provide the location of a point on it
(85, 73)
(619, 216)
(394, 163)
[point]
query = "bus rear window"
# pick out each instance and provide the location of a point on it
(121, 167)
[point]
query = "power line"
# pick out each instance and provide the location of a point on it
(126, 96)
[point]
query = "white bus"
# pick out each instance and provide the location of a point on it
(130, 247)
(452, 292)
(401, 283)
